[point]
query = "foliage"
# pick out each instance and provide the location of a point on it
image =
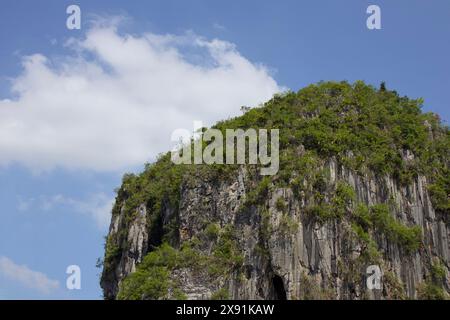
(151, 279)
(439, 192)
(367, 130)
(431, 288)
(408, 237)
(394, 287)
(259, 193)
(361, 216)
(438, 272)
(322, 212)
(112, 253)
(212, 231)
(311, 290)
(280, 204)
(288, 225)
(343, 198)
(226, 255)
(370, 251)
(221, 294)
(430, 291)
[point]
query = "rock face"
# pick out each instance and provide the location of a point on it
(359, 209)
(296, 257)
(137, 238)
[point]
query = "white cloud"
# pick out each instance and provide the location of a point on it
(97, 206)
(113, 101)
(27, 277)
(219, 27)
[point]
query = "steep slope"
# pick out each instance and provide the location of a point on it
(363, 180)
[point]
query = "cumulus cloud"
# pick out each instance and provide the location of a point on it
(27, 277)
(113, 101)
(97, 206)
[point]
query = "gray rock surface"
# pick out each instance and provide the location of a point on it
(315, 260)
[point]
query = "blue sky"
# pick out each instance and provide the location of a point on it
(79, 107)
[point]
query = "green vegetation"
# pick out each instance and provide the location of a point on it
(408, 237)
(221, 294)
(152, 279)
(378, 218)
(288, 225)
(259, 193)
(432, 288)
(430, 291)
(265, 227)
(438, 272)
(393, 286)
(370, 252)
(311, 290)
(212, 231)
(280, 204)
(226, 254)
(361, 216)
(112, 253)
(322, 212)
(367, 130)
(439, 192)
(342, 199)
(159, 183)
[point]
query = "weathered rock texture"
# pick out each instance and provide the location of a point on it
(309, 259)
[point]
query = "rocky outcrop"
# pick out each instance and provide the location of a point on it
(137, 239)
(287, 253)
(362, 194)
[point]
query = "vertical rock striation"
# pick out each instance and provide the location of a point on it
(363, 181)
(312, 259)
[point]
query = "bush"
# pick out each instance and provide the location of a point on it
(112, 253)
(370, 251)
(280, 204)
(408, 237)
(226, 253)
(343, 198)
(429, 291)
(438, 272)
(362, 216)
(310, 289)
(322, 212)
(395, 288)
(288, 225)
(345, 192)
(152, 283)
(221, 294)
(259, 193)
(212, 231)
(151, 279)
(440, 196)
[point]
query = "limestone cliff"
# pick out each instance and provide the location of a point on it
(309, 232)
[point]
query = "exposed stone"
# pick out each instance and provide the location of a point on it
(317, 260)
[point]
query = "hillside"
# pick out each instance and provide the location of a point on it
(363, 180)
